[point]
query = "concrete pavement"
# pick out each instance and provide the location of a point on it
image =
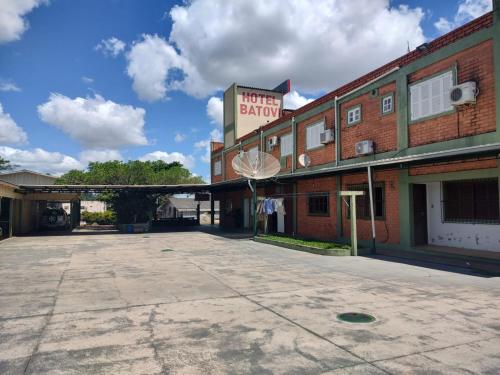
(196, 303)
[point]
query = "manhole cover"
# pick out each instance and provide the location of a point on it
(165, 250)
(353, 317)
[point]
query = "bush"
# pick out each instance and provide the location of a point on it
(101, 218)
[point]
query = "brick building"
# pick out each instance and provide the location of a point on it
(432, 155)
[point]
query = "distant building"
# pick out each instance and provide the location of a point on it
(27, 177)
(185, 208)
(89, 206)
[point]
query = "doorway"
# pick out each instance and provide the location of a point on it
(5, 217)
(420, 214)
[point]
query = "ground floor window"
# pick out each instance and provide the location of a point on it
(363, 201)
(471, 201)
(318, 204)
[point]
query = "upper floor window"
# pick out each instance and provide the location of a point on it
(286, 145)
(313, 135)
(431, 96)
(218, 168)
(354, 115)
(387, 104)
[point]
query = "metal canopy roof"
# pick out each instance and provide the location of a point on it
(160, 189)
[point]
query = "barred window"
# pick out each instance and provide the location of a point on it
(363, 201)
(471, 201)
(318, 204)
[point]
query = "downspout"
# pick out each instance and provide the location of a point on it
(336, 130)
(261, 141)
(294, 144)
(372, 214)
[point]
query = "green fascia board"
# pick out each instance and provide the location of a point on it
(450, 176)
(372, 86)
(402, 112)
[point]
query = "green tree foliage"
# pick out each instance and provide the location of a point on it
(101, 218)
(131, 207)
(4, 164)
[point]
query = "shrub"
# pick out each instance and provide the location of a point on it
(101, 218)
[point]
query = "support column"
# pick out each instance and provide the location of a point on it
(212, 210)
(198, 213)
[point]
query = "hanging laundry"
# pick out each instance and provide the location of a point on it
(280, 206)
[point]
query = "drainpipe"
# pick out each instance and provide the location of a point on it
(372, 214)
(294, 144)
(336, 130)
(262, 141)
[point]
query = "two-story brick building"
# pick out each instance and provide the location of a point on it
(431, 124)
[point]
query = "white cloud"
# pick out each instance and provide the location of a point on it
(9, 86)
(88, 156)
(111, 46)
(467, 11)
(259, 43)
(87, 80)
(294, 100)
(10, 132)
(179, 137)
(215, 110)
(40, 160)
(185, 160)
(12, 21)
(95, 122)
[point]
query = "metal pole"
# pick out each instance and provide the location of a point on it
(354, 235)
(372, 214)
(212, 210)
(255, 208)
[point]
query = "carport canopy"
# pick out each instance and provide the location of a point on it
(152, 189)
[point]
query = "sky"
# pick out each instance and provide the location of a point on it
(98, 80)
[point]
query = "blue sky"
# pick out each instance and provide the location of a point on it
(70, 94)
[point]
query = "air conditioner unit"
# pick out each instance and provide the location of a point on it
(272, 142)
(463, 94)
(327, 136)
(364, 147)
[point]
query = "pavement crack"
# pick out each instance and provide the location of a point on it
(158, 359)
(48, 317)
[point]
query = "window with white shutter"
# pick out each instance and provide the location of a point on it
(218, 168)
(286, 145)
(431, 97)
(313, 135)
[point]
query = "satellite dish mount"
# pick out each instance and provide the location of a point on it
(255, 166)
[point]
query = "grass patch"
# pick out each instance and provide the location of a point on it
(295, 241)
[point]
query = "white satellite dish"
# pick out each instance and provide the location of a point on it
(304, 160)
(256, 165)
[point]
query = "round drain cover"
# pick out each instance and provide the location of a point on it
(354, 317)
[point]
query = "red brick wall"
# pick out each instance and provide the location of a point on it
(457, 166)
(228, 168)
(382, 129)
(322, 155)
(387, 231)
(321, 227)
(473, 64)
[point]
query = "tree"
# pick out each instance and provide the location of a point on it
(131, 207)
(4, 164)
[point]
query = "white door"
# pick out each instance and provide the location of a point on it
(246, 213)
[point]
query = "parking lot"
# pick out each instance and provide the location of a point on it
(197, 303)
